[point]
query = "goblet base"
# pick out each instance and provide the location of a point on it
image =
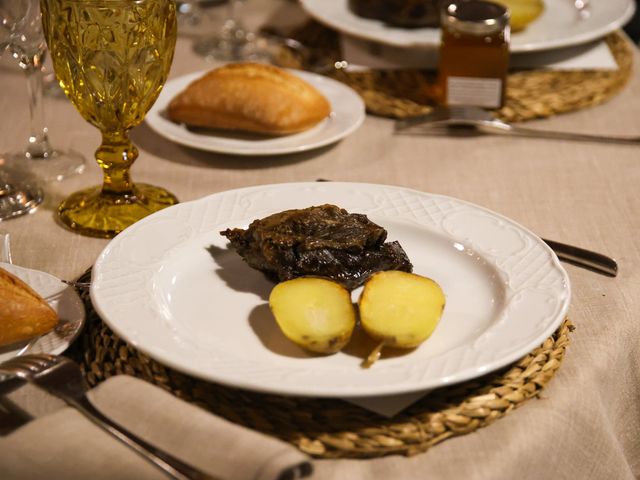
(18, 198)
(95, 213)
(56, 165)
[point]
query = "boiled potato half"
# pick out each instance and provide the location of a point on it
(314, 313)
(523, 12)
(399, 309)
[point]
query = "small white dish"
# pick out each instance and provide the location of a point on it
(63, 299)
(558, 26)
(170, 286)
(347, 114)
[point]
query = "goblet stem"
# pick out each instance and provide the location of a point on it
(115, 157)
(234, 25)
(234, 42)
(38, 146)
(39, 156)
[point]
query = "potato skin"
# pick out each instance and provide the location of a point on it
(400, 309)
(315, 313)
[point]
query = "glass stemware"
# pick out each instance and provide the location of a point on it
(112, 58)
(189, 12)
(27, 44)
(18, 193)
(235, 42)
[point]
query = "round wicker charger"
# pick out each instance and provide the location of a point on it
(331, 428)
(530, 93)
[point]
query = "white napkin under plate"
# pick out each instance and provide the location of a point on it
(363, 54)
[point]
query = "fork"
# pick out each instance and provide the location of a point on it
(62, 377)
(484, 121)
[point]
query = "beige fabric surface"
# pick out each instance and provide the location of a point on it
(65, 445)
(587, 422)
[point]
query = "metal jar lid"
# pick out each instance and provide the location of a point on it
(476, 17)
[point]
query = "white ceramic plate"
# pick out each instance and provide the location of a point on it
(169, 286)
(558, 26)
(347, 114)
(63, 299)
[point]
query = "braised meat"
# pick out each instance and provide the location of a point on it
(399, 13)
(325, 241)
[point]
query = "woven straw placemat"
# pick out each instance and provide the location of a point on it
(534, 93)
(331, 428)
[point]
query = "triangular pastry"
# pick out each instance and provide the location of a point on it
(23, 313)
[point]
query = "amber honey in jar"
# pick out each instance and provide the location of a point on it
(474, 53)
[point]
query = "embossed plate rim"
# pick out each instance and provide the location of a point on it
(126, 274)
(559, 26)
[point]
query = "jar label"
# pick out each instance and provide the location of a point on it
(481, 92)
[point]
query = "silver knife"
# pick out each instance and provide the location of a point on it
(581, 257)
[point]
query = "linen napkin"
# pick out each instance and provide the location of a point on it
(65, 445)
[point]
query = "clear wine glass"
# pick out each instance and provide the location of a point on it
(27, 44)
(189, 13)
(234, 42)
(19, 194)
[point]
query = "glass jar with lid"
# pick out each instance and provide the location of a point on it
(474, 53)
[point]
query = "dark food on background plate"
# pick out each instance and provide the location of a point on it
(23, 313)
(399, 13)
(250, 97)
(324, 241)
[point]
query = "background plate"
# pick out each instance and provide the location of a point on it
(170, 287)
(347, 114)
(63, 299)
(558, 26)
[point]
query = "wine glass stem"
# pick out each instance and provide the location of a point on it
(115, 157)
(38, 146)
(234, 28)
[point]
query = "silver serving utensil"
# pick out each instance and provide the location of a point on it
(62, 377)
(483, 121)
(580, 257)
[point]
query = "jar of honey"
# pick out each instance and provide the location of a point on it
(474, 53)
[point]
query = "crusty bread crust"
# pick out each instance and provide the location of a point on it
(23, 313)
(250, 97)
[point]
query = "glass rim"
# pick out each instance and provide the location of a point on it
(475, 17)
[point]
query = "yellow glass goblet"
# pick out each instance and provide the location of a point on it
(112, 58)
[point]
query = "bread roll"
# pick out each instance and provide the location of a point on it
(250, 97)
(23, 313)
